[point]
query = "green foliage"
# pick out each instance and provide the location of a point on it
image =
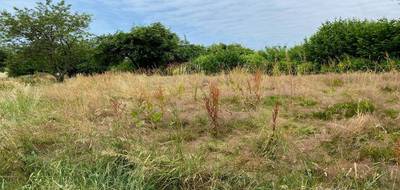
(46, 37)
(147, 47)
(297, 54)
(256, 61)
(275, 54)
(305, 68)
(345, 110)
(372, 40)
(187, 52)
(221, 57)
(280, 59)
(18, 65)
(378, 154)
(3, 56)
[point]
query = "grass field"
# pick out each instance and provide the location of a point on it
(127, 131)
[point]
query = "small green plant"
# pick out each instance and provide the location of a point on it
(147, 114)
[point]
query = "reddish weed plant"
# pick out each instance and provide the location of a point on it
(212, 105)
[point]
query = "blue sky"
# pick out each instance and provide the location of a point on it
(253, 23)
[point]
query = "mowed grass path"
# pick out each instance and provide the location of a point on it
(129, 131)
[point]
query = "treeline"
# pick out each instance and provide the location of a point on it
(50, 38)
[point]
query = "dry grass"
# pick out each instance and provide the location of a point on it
(141, 132)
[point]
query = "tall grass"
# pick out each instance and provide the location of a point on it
(130, 131)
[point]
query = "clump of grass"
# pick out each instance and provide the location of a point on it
(305, 102)
(345, 110)
(392, 113)
(335, 82)
(212, 106)
(377, 153)
(390, 89)
(273, 100)
(268, 146)
(4, 86)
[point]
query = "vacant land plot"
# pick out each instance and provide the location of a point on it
(233, 131)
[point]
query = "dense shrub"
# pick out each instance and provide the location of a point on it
(221, 57)
(48, 35)
(3, 56)
(305, 68)
(187, 52)
(275, 54)
(23, 62)
(256, 61)
(297, 54)
(372, 40)
(147, 47)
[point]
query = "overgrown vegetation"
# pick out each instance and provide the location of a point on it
(3, 56)
(256, 123)
(63, 47)
(123, 131)
(44, 39)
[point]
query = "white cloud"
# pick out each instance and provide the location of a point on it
(255, 23)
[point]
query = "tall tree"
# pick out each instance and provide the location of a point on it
(47, 35)
(147, 47)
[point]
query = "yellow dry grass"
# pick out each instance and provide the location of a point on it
(158, 111)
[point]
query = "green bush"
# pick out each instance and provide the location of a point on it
(275, 54)
(18, 64)
(221, 57)
(305, 68)
(297, 54)
(282, 59)
(256, 61)
(187, 52)
(3, 56)
(372, 40)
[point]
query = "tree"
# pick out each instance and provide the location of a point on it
(47, 37)
(147, 47)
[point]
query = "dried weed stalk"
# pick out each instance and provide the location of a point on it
(212, 104)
